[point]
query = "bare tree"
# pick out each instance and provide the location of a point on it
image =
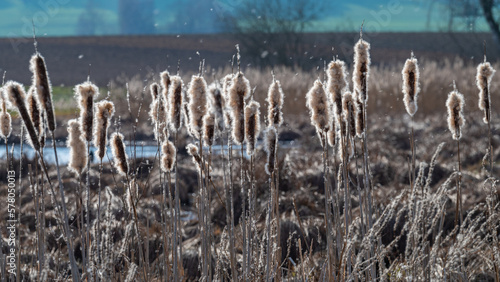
(272, 31)
(488, 7)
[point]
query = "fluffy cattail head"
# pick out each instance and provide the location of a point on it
(349, 110)
(119, 154)
(411, 85)
(43, 88)
(337, 82)
(34, 110)
(165, 82)
(5, 118)
(239, 91)
(217, 102)
(361, 68)
(275, 98)
(455, 104)
(15, 92)
(197, 103)
(168, 156)
(483, 80)
(209, 128)
(105, 110)
(85, 95)
(252, 125)
(154, 88)
(318, 104)
(175, 103)
(226, 85)
(270, 145)
(193, 152)
(360, 122)
(77, 148)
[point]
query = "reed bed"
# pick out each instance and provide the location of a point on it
(228, 197)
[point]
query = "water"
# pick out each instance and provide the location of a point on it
(142, 151)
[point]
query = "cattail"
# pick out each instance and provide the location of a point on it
(275, 98)
(105, 111)
(17, 97)
(197, 103)
(483, 79)
(318, 104)
(165, 84)
(270, 143)
(119, 154)
(337, 82)
(43, 88)
(5, 119)
(34, 110)
(209, 128)
(168, 156)
(217, 102)
(332, 133)
(77, 148)
(411, 85)
(361, 68)
(239, 91)
(349, 110)
(360, 123)
(157, 113)
(193, 152)
(175, 103)
(455, 104)
(226, 85)
(85, 95)
(252, 125)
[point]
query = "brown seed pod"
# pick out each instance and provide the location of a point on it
(119, 154)
(252, 125)
(168, 156)
(361, 68)
(17, 97)
(318, 104)
(175, 103)
(197, 104)
(5, 118)
(455, 104)
(270, 145)
(105, 110)
(77, 148)
(238, 93)
(275, 99)
(209, 128)
(43, 88)
(85, 95)
(483, 80)
(411, 86)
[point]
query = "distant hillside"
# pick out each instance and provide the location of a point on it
(68, 58)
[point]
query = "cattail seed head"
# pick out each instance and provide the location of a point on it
(455, 104)
(239, 91)
(252, 125)
(197, 104)
(349, 110)
(193, 152)
(34, 110)
(85, 95)
(105, 110)
(17, 97)
(168, 156)
(217, 102)
(318, 104)
(360, 123)
(209, 128)
(275, 99)
(411, 85)
(157, 113)
(361, 68)
(77, 148)
(270, 145)
(43, 88)
(165, 83)
(337, 82)
(226, 85)
(332, 133)
(119, 154)
(483, 80)
(154, 89)
(5, 118)
(175, 103)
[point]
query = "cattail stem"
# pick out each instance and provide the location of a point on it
(231, 189)
(177, 223)
(243, 214)
(327, 207)
(87, 204)
(458, 214)
(99, 215)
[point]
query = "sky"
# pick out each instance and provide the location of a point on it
(110, 17)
